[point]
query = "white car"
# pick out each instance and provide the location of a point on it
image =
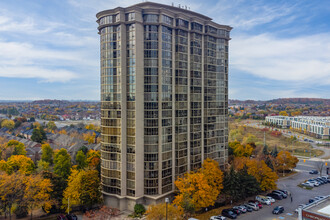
(263, 200)
(219, 217)
(272, 200)
(314, 183)
(254, 206)
(308, 184)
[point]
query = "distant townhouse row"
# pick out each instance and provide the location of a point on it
(318, 127)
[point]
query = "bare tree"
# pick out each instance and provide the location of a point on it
(319, 166)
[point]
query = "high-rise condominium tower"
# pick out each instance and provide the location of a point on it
(164, 96)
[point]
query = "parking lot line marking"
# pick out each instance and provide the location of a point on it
(281, 217)
(289, 213)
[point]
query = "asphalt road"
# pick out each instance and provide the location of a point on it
(299, 195)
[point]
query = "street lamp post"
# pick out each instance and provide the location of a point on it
(283, 168)
(167, 200)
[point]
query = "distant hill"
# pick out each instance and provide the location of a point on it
(298, 101)
(306, 101)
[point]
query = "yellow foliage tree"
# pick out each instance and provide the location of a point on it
(89, 137)
(37, 193)
(158, 212)
(62, 131)
(284, 113)
(243, 150)
(259, 169)
(72, 192)
(93, 159)
(10, 124)
(21, 164)
(285, 161)
(199, 189)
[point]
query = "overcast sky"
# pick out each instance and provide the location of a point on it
(49, 49)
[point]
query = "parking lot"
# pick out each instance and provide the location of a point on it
(299, 195)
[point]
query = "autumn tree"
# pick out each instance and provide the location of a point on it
(249, 139)
(51, 126)
(158, 212)
(7, 123)
(10, 191)
(62, 163)
(259, 169)
(283, 113)
(81, 160)
(94, 159)
(201, 188)
(83, 189)
(59, 184)
(47, 153)
(37, 193)
(90, 138)
(18, 147)
(285, 161)
(243, 150)
(21, 164)
(90, 189)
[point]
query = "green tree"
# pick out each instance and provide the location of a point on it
(47, 153)
(51, 126)
(232, 185)
(84, 149)
(265, 150)
(81, 160)
(248, 183)
(19, 148)
(62, 163)
(59, 184)
(38, 135)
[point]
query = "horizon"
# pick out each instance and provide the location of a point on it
(278, 49)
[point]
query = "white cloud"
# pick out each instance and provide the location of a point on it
(245, 14)
(301, 59)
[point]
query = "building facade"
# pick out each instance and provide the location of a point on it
(315, 126)
(164, 99)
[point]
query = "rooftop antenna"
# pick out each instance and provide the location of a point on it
(179, 6)
(172, 4)
(186, 7)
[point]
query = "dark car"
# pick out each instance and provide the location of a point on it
(236, 211)
(322, 180)
(228, 213)
(71, 217)
(281, 193)
(275, 196)
(278, 210)
(311, 200)
(61, 217)
(248, 209)
(256, 202)
(284, 191)
(313, 172)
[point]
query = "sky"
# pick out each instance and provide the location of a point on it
(49, 49)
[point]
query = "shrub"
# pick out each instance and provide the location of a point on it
(139, 209)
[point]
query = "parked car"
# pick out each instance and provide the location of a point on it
(284, 191)
(278, 210)
(248, 208)
(219, 217)
(61, 217)
(281, 193)
(314, 182)
(271, 199)
(299, 207)
(236, 211)
(228, 213)
(257, 203)
(308, 184)
(263, 200)
(275, 196)
(71, 217)
(253, 205)
(241, 208)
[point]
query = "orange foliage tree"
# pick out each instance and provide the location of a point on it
(199, 189)
(259, 169)
(285, 161)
